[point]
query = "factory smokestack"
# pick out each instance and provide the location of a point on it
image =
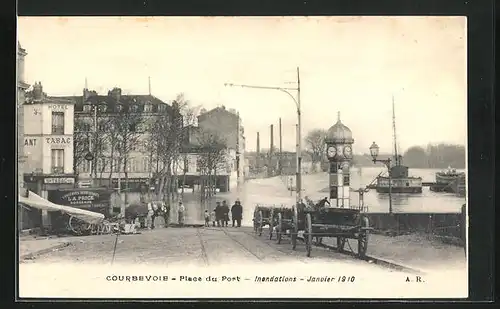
(258, 143)
(271, 146)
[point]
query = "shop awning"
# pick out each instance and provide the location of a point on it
(39, 202)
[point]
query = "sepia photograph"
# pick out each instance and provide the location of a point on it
(242, 157)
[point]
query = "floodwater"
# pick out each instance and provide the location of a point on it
(274, 191)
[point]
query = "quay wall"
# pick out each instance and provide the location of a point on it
(448, 227)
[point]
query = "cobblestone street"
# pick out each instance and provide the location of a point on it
(188, 246)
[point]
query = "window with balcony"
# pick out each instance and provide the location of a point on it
(116, 166)
(199, 163)
(58, 123)
(132, 166)
(186, 165)
(145, 164)
(57, 160)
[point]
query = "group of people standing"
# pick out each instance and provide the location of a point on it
(220, 215)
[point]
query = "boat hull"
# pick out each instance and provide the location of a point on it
(446, 179)
(415, 190)
(399, 185)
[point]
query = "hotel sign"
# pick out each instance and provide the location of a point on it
(59, 180)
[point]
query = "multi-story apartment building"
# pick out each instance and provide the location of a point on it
(48, 142)
(227, 125)
(93, 112)
(22, 86)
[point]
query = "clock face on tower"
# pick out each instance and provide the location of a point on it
(348, 151)
(331, 152)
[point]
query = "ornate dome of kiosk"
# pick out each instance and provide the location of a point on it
(339, 133)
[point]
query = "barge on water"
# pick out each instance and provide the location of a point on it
(449, 181)
(400, 181)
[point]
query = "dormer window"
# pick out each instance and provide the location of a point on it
(87, 108)
(103, 107)
(119, 108)
(134, 108)
(148, 107)
(161, 107)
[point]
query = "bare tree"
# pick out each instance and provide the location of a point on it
(164, 142)
(81, 137)
(189, 116)
(100, 146)
(212, 155)
(315, 144)
(128, 127)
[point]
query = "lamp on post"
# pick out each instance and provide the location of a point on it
(374, 151)
(296, 99)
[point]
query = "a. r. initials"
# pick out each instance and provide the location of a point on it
(417, 279)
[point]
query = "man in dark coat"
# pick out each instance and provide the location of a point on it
(218, 213)
(236, 213)
(225, 211)
(322, 203)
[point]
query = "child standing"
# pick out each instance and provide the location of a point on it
(207, 218)
(212, 217)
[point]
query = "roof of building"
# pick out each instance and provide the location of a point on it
(339, 133)
(111, 100)
(219, 109)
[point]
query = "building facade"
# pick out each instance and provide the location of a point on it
(227, 123)
(48, 142)
(93, 115)
(232, 167)
(22, 86)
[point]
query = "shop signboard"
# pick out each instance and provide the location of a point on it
(90, 199)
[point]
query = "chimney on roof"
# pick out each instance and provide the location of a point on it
(37, 91)
(116, 93)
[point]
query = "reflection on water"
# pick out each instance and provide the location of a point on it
(274, 191)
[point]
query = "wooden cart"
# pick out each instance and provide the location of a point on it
(341, 223)
(263, 216)
(287, 224)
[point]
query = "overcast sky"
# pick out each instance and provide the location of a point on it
(349, 64)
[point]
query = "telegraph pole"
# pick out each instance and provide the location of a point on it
(280, 162)
(299, 142)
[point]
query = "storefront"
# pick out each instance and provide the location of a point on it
(139, 185)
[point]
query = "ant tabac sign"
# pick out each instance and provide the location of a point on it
(91, 199)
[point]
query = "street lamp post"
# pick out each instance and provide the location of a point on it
(374, 151)
(298, 185)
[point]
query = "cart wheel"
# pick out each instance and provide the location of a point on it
(75, 226)
(278, 228)
(362, 245)
(295, 227)
(261, 223)
(255, 229)
(271, 224)
(340, 244)
(308, 235)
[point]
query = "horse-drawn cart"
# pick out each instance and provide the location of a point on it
(263, 215)
(341, 223)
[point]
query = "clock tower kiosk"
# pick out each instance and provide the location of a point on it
(339, 153)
